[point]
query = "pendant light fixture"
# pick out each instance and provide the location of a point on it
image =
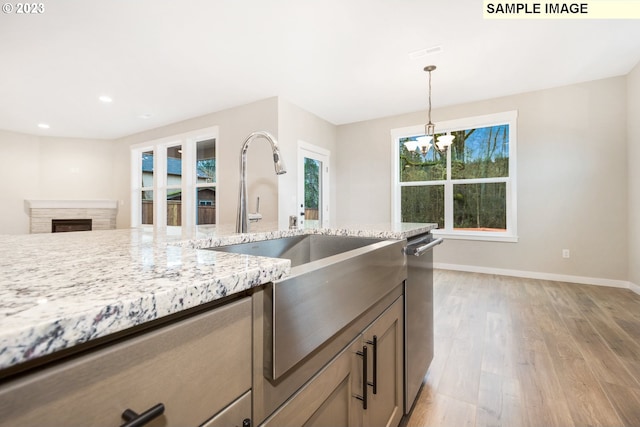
(429, 128)
(425, 142)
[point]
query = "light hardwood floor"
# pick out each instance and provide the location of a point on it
(524, 352)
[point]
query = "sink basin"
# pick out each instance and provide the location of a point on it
(300, 249)
(333, 280)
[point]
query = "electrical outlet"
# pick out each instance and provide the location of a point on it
(566, 253)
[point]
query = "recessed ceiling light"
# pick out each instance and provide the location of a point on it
(106, 99)
(43, 126)
(145, 116)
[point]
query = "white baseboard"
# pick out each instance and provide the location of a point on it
(542, 276)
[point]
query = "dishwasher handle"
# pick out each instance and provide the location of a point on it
(422, 249)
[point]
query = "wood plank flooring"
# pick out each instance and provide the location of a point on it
(525, 352)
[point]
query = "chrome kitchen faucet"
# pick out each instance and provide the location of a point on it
(242, 222)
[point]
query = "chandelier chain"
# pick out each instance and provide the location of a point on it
(429, 97)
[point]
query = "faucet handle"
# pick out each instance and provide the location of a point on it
(257, 216)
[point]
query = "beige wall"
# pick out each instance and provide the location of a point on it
(572, 180)
(235, 124)
(633, 157)
(294, 125)
(58, 168)
(20, 172)
(363, 168)
(287, 122)
(35, 167)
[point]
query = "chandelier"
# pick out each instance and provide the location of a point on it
(441, 143)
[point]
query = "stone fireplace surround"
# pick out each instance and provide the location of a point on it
(42, 212)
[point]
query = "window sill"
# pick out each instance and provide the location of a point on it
(478, 236)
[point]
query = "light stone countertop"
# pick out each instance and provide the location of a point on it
(60, 290)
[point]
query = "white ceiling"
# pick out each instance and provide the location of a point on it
(344, 60)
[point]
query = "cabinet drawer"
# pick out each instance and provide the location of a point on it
(234, 415)
(195, 367)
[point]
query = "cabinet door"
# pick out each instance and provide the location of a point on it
(234, 415)
(328, 398)
(385, 405)
(195, 367)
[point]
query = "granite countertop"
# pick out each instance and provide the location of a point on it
(60, 290)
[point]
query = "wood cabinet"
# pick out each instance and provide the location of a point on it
(196, 367)
(335, 396)
(234, 415)
(385, 345)
(327, 399)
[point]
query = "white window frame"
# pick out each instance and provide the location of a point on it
(188, 141)
(510, 118)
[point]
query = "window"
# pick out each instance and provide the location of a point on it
(174, 185)
(174, 180)
(206, 182)
(470, 190)
(146, 191)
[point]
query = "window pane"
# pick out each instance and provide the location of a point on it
(206, 161)
(420, 162)
(147, 169)
(480, 153)
(423, 204)
(206, 205)
(312, 191)
(174, 206)
(147, 207)
(480, 207)
(174, 165)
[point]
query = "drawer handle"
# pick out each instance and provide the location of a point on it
(134, 419)
(363, 398)
(374, 384)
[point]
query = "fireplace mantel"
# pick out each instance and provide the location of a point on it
(72, 204)
(43, 212)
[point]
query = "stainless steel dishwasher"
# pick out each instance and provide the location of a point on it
(418, 320)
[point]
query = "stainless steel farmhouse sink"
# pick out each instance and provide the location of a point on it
(300, 249)
(333, 280)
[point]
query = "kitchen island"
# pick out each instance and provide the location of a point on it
(68, 289)
(150, 327)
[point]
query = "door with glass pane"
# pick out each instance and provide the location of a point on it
(313, 186)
